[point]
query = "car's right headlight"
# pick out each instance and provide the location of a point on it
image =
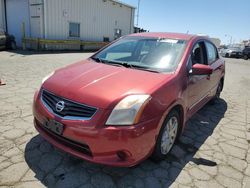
(128, 111)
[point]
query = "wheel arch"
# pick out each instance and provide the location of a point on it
(180, 109)
(177, 108)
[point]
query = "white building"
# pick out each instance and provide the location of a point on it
(86, 20)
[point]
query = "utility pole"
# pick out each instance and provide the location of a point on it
(231, 39)
(138, 13)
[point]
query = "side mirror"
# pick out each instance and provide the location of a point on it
(200, 69)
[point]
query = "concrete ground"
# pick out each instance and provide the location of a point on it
(213, 151)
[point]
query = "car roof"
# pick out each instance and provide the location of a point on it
(180, 36)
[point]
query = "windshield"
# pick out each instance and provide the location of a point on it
(162, 55)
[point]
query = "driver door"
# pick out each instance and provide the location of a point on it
(198, 85)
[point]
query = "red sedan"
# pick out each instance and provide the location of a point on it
(130, 100)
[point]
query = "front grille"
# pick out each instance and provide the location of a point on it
(80, 147)
(71, 109)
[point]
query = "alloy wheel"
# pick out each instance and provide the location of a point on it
(169, 135)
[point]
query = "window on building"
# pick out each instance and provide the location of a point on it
(105, 39)
(74, 29)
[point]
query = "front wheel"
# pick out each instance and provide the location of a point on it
(218, 91)
(217, 94)
(167, 136)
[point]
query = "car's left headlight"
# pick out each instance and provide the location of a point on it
(128, 110)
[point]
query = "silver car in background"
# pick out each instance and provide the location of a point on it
(231, 52)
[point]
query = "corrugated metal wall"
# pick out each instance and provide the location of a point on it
(2, 20)
(97, 18)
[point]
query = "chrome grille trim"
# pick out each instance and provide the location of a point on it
(67, 117)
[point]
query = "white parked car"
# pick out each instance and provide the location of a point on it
(231, 52)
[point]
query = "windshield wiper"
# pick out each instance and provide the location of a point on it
(144, 68)
(97, 59)
(100, 60)
(124, 64)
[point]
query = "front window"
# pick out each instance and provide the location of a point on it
(161, 55)
(211, 53)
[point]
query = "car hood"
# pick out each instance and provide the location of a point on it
(102, 85)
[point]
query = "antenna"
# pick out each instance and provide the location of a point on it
(138, 13)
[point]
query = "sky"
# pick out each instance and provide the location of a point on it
(224, 19)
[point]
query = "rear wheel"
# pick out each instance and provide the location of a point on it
(227, 55)
(245, 57)
(167, 136)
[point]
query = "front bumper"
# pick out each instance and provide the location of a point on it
(115, 146)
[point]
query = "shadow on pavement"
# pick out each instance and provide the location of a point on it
(58, 169)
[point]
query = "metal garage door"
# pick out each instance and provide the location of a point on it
(36, 10)
(17, 12)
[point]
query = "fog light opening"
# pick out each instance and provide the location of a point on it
(122, 155)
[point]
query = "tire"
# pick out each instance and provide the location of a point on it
(13, 45)
(217, 94)
(164, 144)
(227, 55)
(245, 57)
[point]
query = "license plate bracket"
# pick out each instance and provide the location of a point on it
(54, 126)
